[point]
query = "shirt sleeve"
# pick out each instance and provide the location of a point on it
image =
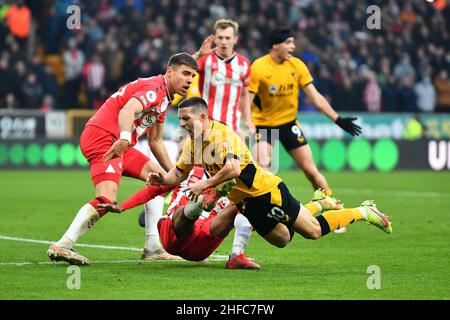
(201, 63)
(305, 77)
(162, 117)
(229, 148)
(246, 80)
(186, 161)
(147, 96)
(255, 78)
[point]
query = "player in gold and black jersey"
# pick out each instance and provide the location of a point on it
(275, 82)
(258, 194)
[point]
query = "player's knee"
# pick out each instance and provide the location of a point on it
(146, 169)
(107, 189)
(281, 243)
(279, 238)
(314, 233)
(278, 242)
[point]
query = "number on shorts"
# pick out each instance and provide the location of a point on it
(277, 214)
(297, 131)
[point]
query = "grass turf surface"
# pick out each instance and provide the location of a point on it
(413, 261)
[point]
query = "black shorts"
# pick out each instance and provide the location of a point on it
(290, 135)
(266, 211)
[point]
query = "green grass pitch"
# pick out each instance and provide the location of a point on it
(413, 261)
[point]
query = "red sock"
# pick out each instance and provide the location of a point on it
(100, 199)
(144, 195)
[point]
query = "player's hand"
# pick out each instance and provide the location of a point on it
(348, 125)
(195, 189)
(250, 127)
(206, 47)
(111, 207)
(116, 150)
(155, 179)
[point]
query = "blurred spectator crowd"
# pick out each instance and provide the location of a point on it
(47, 61)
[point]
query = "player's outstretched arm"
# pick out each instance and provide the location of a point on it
(156, 144)
(322, 104)
(142, 196)
(231, 170)
(171, 178)
(245, 106)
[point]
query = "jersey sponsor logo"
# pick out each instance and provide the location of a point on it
(219, 79)
(283, 90)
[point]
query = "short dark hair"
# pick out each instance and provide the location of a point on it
(198, 103)
(279, 35)
(183, 58)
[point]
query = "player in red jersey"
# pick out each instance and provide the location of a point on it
(137, 108)
(188, 230)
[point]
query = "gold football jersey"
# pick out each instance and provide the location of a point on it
(222, 143)
(276, 88)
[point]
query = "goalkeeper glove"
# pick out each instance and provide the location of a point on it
(348, 125)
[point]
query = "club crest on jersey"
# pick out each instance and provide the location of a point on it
(226, 147)
(273, 88)
(148, 120)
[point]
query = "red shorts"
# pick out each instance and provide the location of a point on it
(95, 142)
(196, 247)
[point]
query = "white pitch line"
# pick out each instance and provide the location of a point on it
(213, 257)
(98, 246)
(42, 263)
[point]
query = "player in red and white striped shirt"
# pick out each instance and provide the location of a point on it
(224, 78)
(190, 232)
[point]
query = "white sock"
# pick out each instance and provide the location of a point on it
(153, 211)
(242, 232)
(84, 219)
(363, 212)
